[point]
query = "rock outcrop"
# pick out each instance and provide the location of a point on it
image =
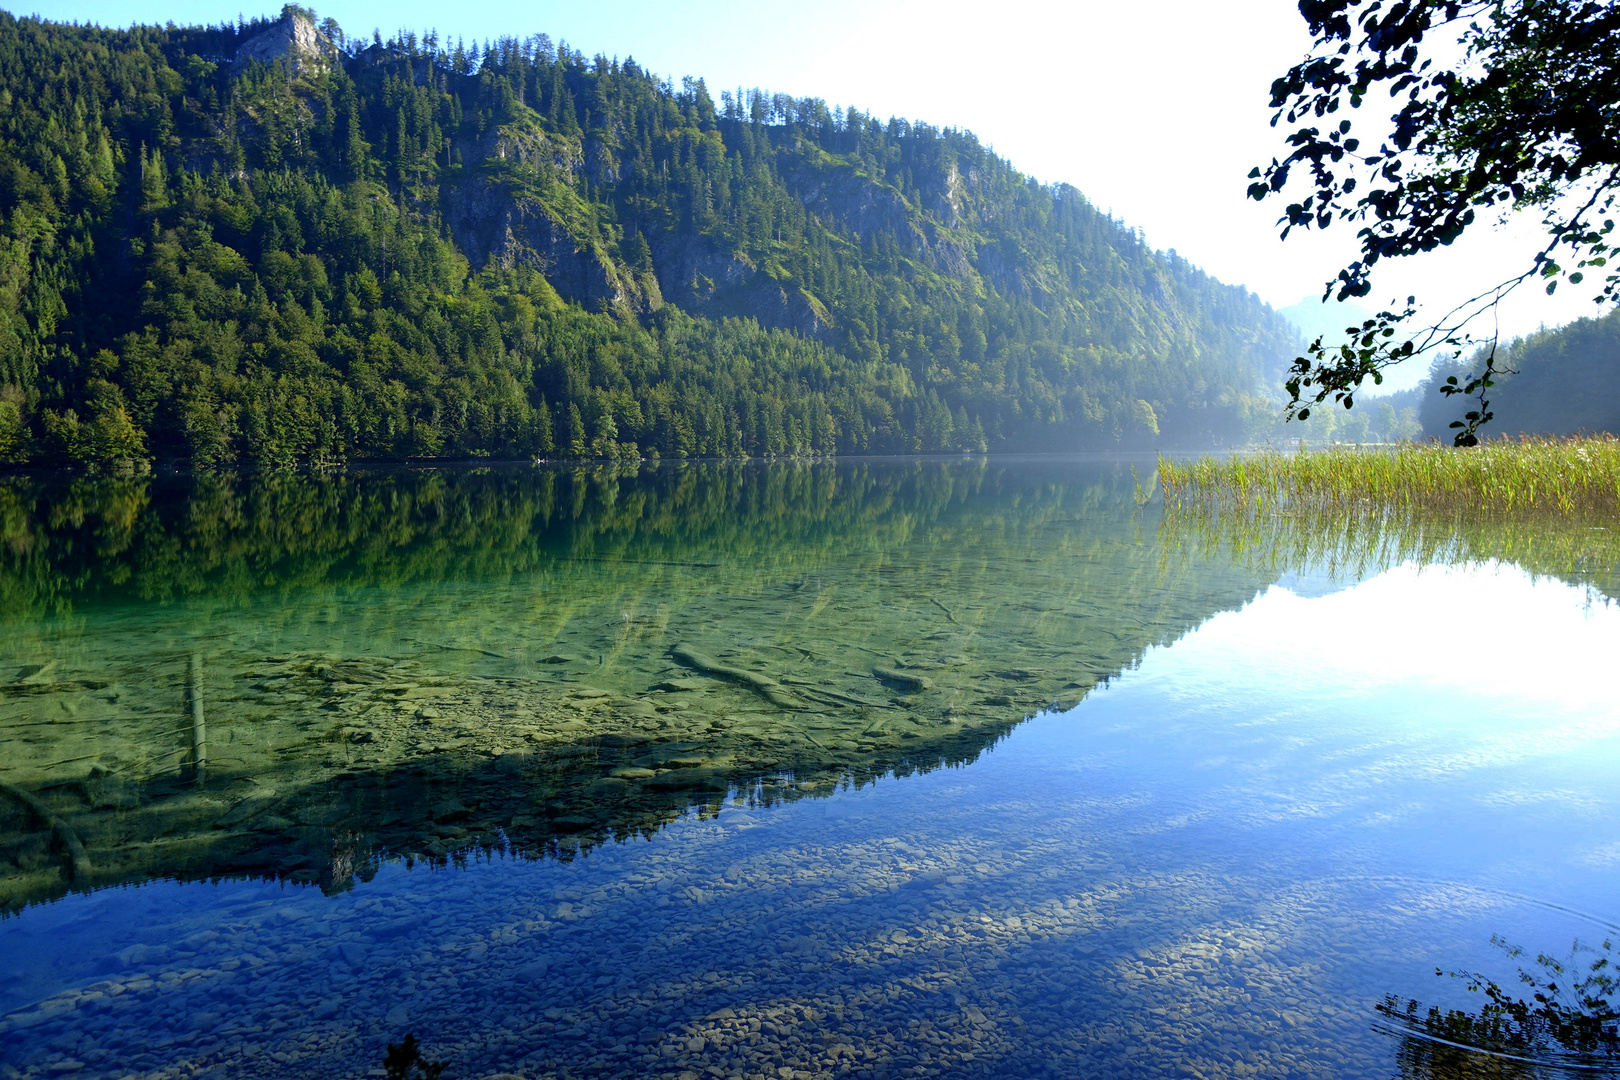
(293, 38)
(491, 224)
(516, 206)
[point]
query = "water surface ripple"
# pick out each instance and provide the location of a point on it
(868, 769)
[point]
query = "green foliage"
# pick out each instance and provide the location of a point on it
(1567, 1021)
(1498, 103)
(1578, 475)
(1389, 418)
(410, 251)
(1555, 382)
(106, 439)
(11, 431)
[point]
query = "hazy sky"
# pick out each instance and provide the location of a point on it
(1156, 111)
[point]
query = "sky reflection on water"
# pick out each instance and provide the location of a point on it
(1217, 865)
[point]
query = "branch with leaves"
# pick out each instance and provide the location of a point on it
(1528, 118)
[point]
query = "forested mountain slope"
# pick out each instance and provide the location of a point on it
(1562, 381)
(270, 245)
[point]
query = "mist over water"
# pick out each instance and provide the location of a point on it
(949, 768)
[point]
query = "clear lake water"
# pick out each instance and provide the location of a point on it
(875, 769)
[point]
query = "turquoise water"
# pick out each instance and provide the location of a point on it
(1113, 809)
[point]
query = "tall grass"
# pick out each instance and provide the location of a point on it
(1578, 475)
(1549, 505)
(1570, 547)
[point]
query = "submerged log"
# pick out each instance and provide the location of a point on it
(764, 686)
(78, 860)
(833, 697)
(903, 679)
(199, 730)
(39, 674)
(458, 648)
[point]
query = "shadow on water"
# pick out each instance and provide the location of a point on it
(295, 677)
(1562, 1022)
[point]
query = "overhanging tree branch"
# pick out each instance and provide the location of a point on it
(1527, 118)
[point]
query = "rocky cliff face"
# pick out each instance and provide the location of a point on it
(516, 205)
(859, 206)
(492, 224)
(525, 192)
(700, 276)
(294, 38)
(695, 274)
(516, 201)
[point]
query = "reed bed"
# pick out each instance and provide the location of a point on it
(1551, 506)
(1577, 475)
(1576, 548)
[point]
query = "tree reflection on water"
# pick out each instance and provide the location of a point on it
(1567, 1024)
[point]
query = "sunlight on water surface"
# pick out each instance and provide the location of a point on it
(1246, 828)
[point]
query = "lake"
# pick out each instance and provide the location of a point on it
(878, 769)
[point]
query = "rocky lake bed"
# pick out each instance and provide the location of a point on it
(980, 780)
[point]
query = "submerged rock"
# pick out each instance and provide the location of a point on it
(906, 680)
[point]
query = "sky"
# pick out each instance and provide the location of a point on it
(1156, 111)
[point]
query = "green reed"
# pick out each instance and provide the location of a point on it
(1548, 505)
(1576, 548)
(1578, 475)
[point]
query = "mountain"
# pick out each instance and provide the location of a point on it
(1561, 381)
(268, 244)
(1314, 317)
(1318, 318)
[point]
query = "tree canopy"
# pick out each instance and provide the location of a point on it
(1499, 105)
(219, 246)
(1557, 381)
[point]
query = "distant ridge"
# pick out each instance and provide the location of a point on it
(1562, 381)
(1313, 317)
(268, 244)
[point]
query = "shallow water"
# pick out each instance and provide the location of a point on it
(1019, 787)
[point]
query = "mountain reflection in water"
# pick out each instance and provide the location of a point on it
(288, 676)
(439, 694)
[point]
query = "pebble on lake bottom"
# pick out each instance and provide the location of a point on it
(732, 947)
